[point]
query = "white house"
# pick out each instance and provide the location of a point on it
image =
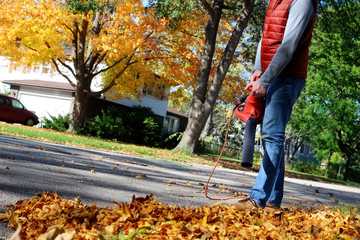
(48, 93)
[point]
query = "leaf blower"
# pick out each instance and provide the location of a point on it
(251, 113)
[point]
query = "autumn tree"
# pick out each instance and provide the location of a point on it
(223, 23)
(117, 41)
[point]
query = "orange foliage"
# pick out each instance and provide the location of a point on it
(129, 38)
(147, 218)
(39, 32)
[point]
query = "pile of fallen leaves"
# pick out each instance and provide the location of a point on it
(48, 216)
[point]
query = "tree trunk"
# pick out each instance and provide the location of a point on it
(296, 147)
(204, 97)
(349, 149)
(207, 127)
(296, 143)
(347, 166)
(287, 146)
(83, 73)
(78, 114)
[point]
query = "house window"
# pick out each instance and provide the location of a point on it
(153, 91)
(171, 125)
(306, 151)
(36, 69)
(4, 66)
(45, 69)
(302, 149)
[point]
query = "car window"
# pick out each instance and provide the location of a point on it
(17, 104)
(4, 101)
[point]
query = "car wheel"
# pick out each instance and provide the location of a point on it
(30, 122)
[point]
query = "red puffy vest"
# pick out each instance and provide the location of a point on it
(274, 27)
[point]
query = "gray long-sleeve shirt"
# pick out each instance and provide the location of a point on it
(300, 14)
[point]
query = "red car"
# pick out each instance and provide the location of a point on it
(12, 111)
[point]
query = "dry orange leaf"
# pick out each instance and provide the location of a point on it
(147, 218)
(141, 176)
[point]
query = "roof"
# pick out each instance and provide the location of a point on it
(176, 112)
(41, 84)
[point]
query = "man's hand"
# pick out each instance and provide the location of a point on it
(257, 89)
(256, 74)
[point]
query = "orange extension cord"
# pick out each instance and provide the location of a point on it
(207, 184)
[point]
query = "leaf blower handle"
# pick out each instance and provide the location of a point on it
(242, 100)
(256, 78)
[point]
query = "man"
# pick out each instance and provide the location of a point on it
(281, 63)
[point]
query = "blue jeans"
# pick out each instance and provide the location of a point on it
(280, 98)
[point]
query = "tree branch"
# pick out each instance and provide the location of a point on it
(62, 74)
(68, 67)
(112, 83)
(100, 59)
(229, 52)
(111, 66)
(207, 7)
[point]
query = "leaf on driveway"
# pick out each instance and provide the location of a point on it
(141, 176)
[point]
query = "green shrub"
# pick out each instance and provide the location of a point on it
(306, 167)
(107, 125)
(150, 131)
(138, 125)
(353, 174)
(333, 166)
(170, 141)
(144, 125)
(59, 123)
(332, 170)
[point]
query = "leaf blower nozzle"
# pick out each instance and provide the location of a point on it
(251, 113)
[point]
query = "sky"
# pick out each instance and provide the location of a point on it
(145, 2)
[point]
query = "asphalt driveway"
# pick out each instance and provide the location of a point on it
(29, 167)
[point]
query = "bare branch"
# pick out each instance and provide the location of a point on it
(112, 83)
(111, 66)
(67, 66)
(62, 74)
(100, 59)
